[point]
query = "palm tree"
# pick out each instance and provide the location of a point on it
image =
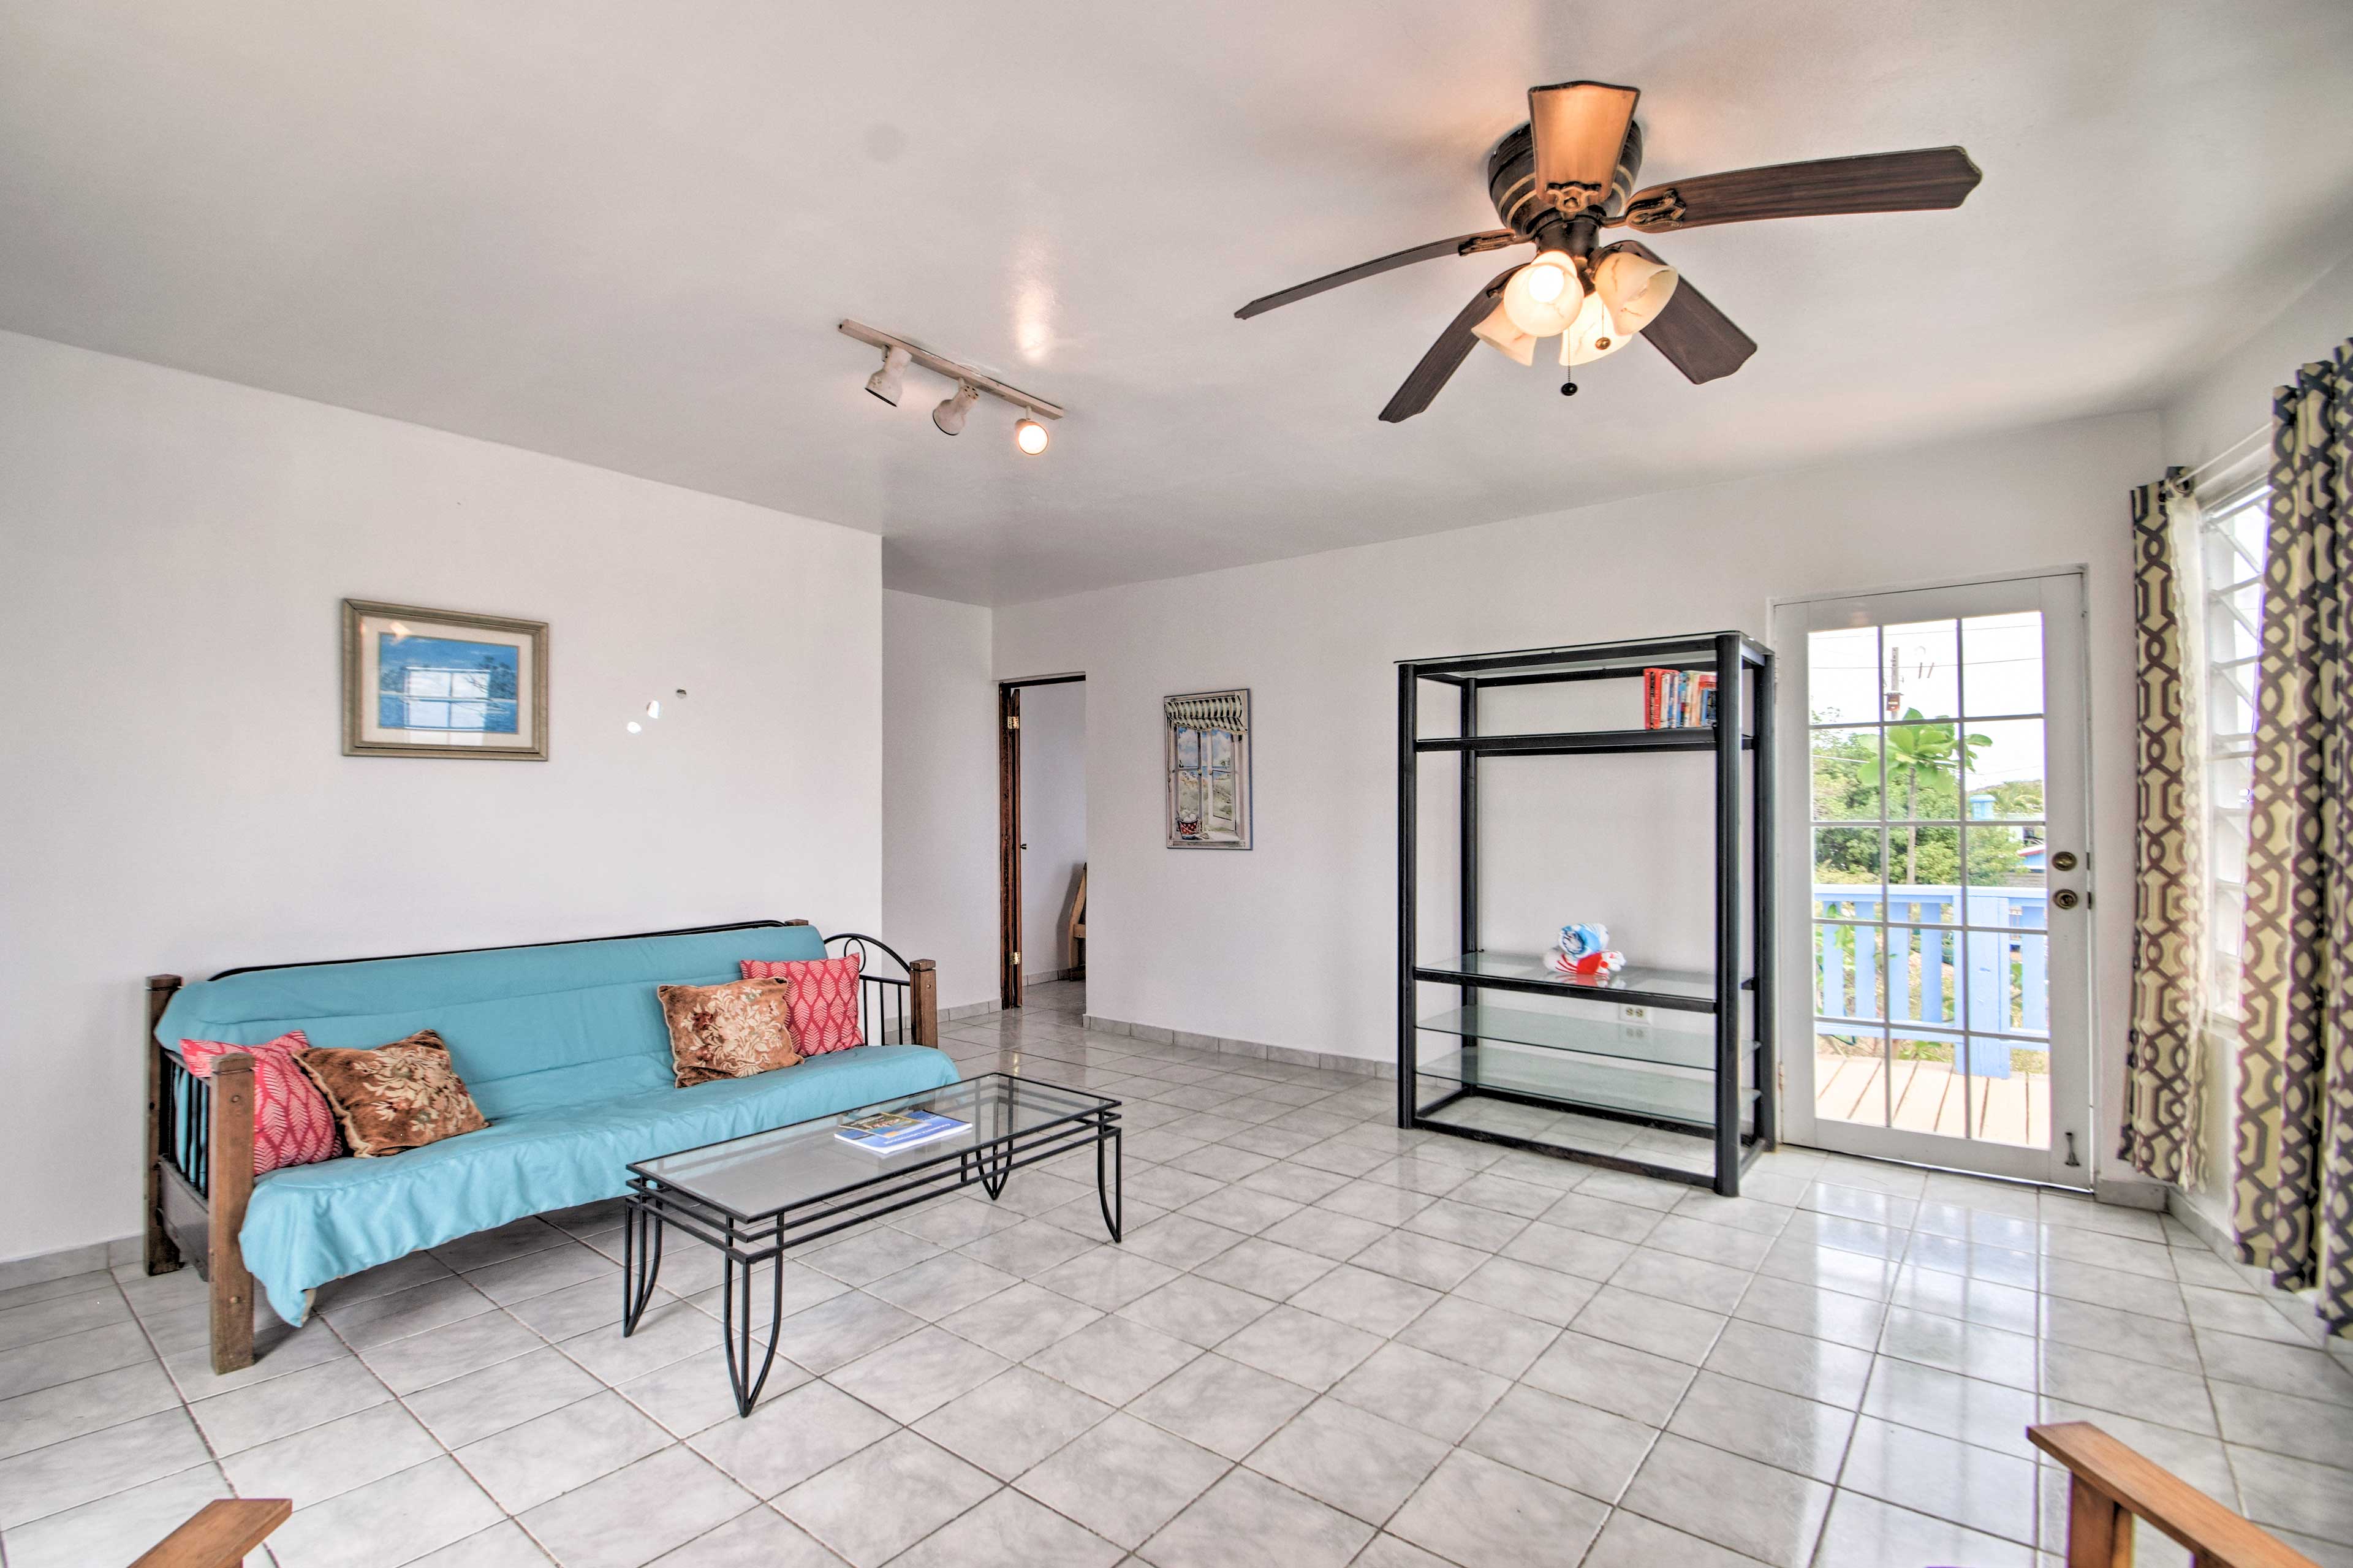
(1916, 751)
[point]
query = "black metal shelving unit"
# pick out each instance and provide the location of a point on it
(1586, 1088)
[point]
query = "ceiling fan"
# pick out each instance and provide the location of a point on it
(1568, 173)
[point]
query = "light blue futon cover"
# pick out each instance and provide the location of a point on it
(566, 1052)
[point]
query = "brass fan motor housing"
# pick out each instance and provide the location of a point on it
(1512, 182)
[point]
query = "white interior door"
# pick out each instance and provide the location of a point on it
(1935, 930)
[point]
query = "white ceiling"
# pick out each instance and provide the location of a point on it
(623, 233)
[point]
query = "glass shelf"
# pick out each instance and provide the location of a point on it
(1683, 990)
(1659, 1094)
(1583, 1037)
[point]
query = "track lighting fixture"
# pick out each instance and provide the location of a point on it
(885, 382)
(1029, 433)
(949, 415)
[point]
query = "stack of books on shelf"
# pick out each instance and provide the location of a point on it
(1678, 699)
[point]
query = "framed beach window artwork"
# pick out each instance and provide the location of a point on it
(1209, 742)
(442, 683)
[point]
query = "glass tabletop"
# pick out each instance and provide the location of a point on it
(756, 1175)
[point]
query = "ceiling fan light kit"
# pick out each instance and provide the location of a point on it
(1029, 435)
(1565, 176)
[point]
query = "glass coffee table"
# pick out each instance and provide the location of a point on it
(754, 1197)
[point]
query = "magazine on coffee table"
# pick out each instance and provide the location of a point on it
(887, 1131)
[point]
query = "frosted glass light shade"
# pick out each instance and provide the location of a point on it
(1497, 332)
(1593, 335)
(1635, 289)
(1542, 318)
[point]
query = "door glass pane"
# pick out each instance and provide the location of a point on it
(1848, 970)
(1926, 1088)
(1850, 1077)
(2006, 875)
(2011, 1092)
(1923, 967)
(1924, 866)
(2009, 981)
(1921, 668)
(1843, 676)
(2001, 768)
(1846, 774)
(2003, 663)
(1924, 771)
(1849, 857)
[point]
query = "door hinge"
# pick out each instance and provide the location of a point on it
(1014, 959)
(1013, 720)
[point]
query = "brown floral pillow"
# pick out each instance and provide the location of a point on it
(395, 1096)
(729, 1031)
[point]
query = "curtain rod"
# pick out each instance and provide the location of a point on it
(2236, 452)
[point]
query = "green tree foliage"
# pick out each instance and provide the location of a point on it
(1923, 763)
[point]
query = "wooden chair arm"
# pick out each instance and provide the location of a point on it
(2112, 1480)
(219, 1535)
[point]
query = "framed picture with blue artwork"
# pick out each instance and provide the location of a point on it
(442, 683)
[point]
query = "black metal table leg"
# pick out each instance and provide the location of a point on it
(737, 1328)
(1114, 1196)
(641, 1249)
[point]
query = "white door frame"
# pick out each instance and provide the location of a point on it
(2059, 593)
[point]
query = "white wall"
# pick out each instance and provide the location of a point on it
(1053, 819)
(2233, 396)
(2207, 419)
(173, 552)
(939, 791)
(1292, 943)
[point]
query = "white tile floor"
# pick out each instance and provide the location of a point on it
(1323, 1343)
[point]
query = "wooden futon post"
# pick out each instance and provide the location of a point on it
(230, 1172)
(923, 975)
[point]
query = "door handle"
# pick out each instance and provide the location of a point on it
(2066, 897)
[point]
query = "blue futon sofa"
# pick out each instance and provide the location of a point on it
(565, 1047)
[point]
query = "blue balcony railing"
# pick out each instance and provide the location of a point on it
(1918, 972)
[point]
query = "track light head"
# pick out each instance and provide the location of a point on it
(1031, 436)
(885, 384)
(949, 415)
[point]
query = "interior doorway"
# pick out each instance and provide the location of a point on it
(1041, 827)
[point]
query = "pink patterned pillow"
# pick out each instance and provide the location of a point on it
(824, 1006)
(292, 1124)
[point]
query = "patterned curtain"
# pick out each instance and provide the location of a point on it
(2292, 1190)
(2165, 1078)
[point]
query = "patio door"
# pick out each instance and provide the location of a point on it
(1937, 824)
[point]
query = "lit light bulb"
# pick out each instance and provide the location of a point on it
(635, 727)
(1541, 317)
(1549, 276)
(653, 710)
(1031, 436)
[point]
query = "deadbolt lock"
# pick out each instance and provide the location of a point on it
(2066, 897)
(2063, 861)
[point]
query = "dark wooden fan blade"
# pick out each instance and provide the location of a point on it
(1578, 127)
(1460, 244)
(1697, 338)
(1446, 355)
(1929, 178)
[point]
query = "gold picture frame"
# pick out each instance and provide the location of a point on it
(443, 683)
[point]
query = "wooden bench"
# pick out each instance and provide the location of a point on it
(219, 1534)
(2113, 1485)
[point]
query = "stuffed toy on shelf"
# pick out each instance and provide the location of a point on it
(1586, 955)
